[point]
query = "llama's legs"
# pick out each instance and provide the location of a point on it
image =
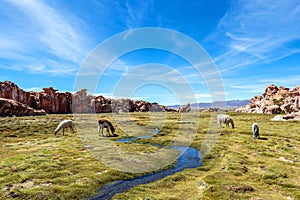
(100, 130)
(71, 129)
(255, 134)
(112, 132)
(63, 130)
(220, 123)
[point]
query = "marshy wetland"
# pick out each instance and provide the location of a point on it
(35, 164)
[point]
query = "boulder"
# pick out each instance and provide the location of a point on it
(287, 107)
(273, 109)
(186, 108)
(214, 109)
(278, 118)
(171, 109)
(295, 91)
(296, 106)
(155, 107)
(282, 92)
(287, 117)
(293, 116)
(256, 99)
(270, 91)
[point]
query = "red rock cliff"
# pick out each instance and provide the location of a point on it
(52, 101)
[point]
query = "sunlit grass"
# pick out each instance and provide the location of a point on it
(35, 164)
(238, 167)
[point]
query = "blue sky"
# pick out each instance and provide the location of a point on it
(252, 44)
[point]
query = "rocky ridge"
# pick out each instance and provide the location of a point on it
(275, 100)
(54, 102)
(9, 107)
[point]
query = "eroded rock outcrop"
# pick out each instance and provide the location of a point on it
(275, 100)
(49, 99)
(9, 107)
(54, 102)
(186, 108)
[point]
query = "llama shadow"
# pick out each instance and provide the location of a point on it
(262, 138)
(114, 135)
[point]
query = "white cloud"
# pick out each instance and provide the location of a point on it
(36, 33)
(254, 31)
(33, 89)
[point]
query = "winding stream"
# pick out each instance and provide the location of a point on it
(189, 158)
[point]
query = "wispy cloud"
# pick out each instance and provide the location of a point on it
(287, 81)
(40, 38)
(155, 73)
(138, 12)
(257, 86)
(97, 64)
(255, 31)
(251, 89)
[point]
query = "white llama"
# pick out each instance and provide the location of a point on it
(255, 130)
(104, 123)
(65, 124)
(225, 119)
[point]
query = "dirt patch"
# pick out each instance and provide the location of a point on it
(8, 190)
(202, 186)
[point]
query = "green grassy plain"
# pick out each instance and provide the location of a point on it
(35, 164)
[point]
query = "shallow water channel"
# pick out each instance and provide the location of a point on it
(189, 158)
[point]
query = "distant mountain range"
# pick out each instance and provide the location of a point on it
(217, 104)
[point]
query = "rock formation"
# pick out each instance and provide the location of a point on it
(49, 99)
(186, 108)
(54, 102)
(275, 100)
(9, 107)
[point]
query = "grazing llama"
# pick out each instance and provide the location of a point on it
(225, 119)
(255, 130)
(104, 123)
(65, 124)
